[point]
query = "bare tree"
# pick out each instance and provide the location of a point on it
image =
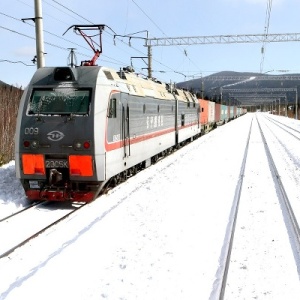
(9, 102)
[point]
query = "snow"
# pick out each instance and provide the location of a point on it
(160, 234)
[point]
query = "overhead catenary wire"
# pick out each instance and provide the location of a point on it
(113, 34)
(16, 62)
(70, 12)
(184, 52)
(108, 59)
(91, 22)
(75, 13)
(60, 10)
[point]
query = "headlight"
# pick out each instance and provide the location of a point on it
(82, 145)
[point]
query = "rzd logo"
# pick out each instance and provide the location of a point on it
(55, 136)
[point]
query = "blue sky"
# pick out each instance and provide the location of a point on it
(163, 18)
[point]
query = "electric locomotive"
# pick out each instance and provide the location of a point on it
(79, 128)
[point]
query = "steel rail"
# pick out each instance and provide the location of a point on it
(281, 125)
(21, 210)
(289, 217)
(23, 242)
(219, 285)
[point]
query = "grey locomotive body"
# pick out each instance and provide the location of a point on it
(80, 127)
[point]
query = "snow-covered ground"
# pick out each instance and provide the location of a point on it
(159, 235)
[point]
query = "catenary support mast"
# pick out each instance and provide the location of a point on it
(39, 34)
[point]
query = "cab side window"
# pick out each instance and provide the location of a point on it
(112, 112)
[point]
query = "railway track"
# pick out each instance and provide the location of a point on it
(236, 237)
(23, 226)
(286, 199)
(290, 219)
(288, 129)
(288, 135)
(20, 211)
(224, 262)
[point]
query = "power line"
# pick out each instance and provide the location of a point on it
(108, 33)
(56, 36)
(149, 18)
(8, 16)
(53, 6)
(75, 13)
(64, 11)
(48, 32)
(104, 58)
(16, 62)
(16, 32)
(184, 52)
(25, 3)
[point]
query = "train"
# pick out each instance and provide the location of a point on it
(84, 128)
(214, 114)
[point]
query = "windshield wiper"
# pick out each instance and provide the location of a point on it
(40, 104)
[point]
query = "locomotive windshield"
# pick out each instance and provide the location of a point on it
(61, 101)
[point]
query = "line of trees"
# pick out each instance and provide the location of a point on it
(9, 103)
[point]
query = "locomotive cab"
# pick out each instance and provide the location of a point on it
(54, 138)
